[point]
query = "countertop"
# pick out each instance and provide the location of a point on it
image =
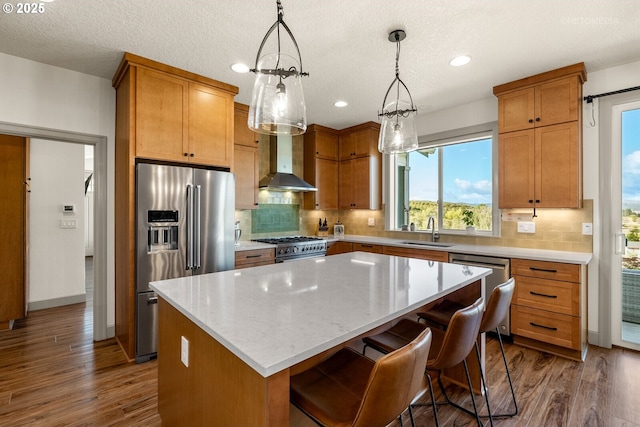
(497, 251)
(583, 258)
(277, 315)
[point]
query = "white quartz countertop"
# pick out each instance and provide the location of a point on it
(486, 250)
(275, 316)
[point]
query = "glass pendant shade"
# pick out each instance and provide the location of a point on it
(277, 103)
(398, 130)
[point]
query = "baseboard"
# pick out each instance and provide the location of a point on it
(57, 302)
(111, 331)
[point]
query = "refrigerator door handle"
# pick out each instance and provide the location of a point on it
(189, 248)
(197, 232)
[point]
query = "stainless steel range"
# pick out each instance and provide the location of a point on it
(296, 247)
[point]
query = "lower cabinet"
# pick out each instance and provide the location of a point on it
(366, 247)
(339, 247)
(255, 258)
(548, 310)
(440, 256)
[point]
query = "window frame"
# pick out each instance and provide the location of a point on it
(460, 135)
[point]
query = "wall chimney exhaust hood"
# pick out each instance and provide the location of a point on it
(281, 177)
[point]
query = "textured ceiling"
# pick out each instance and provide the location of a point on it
(344, 44)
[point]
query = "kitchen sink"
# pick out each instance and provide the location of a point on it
(442, 245)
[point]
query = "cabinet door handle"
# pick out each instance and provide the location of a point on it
(542, 295)
(192, 155)
(530, 120)
(253, 256)
(546, 270)
(186, 154)
(530, 200)
(537, 119)
(366, 246)
(543, 327)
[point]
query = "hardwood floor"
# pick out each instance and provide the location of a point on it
(53, 374)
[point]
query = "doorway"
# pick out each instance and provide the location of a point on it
(625, 167)
(100, 331)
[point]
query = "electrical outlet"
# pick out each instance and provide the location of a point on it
(184, 351)
(371, 222)
(587, 228)
(526, 227)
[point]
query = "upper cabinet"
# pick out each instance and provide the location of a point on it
(321, 167)
(245, 160)
(540, 140)
(360, 167)
(176, 115)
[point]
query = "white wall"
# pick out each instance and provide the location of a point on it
(39, 95)
(56, 255)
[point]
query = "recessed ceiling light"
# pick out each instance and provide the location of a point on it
(340, 104)
(460, 60)
(240, 68)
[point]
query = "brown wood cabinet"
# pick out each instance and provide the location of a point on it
(162, 113)
(339, 247)
(367, 247)
(177, 116)
(255, 257)
(540, 141)
(245, 160)
(360, 174)
(440, 256)
(321, 167)
(14, 250)
(548, 310)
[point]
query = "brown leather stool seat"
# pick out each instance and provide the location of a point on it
(449, 348)
(496, 310)
(349, 389)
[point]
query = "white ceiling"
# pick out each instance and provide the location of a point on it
(343, 43)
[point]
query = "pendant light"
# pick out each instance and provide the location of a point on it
(277, 103)
(398, 128)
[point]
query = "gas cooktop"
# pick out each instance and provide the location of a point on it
(296, 247)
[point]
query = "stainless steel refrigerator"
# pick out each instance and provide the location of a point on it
(185, 226)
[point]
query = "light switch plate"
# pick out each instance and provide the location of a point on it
(526, 227)
(184, 351)
(68, 223)
(371, 222)
(587, 228)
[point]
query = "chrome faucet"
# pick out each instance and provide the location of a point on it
(431, 225)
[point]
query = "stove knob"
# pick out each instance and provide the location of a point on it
(281, 251)
(288, 250)
(295, 249)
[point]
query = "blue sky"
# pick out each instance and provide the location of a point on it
(631, 156)
(466, 176)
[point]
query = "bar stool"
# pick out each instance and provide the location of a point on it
(349, 389)
(496, 310)
(449, 348)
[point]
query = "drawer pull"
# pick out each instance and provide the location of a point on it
(254, 256)
(542, 295)
(543, 269)
(366, 246)
(543, 327)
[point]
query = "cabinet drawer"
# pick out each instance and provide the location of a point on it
(556, 296)
(552, 328)
(365, 247)
(427, 254)
(255, 256)
(545, 270)
(335, 248)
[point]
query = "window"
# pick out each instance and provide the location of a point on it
(449, 174)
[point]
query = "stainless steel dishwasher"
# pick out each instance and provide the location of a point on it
(501, 273)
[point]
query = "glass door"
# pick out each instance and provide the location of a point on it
(625, 284)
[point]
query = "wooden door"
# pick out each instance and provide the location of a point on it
(13, 228)
(160, 107)
(347, 146)
(246, 172)
(327, 184)
(516, 110)
(326, 145)
(242, 135)
(210, 126)
(346, 184)
(516, 156)
(557, 102)
(362, 183)
(558, 163)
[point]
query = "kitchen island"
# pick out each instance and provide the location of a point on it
(249, 330)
